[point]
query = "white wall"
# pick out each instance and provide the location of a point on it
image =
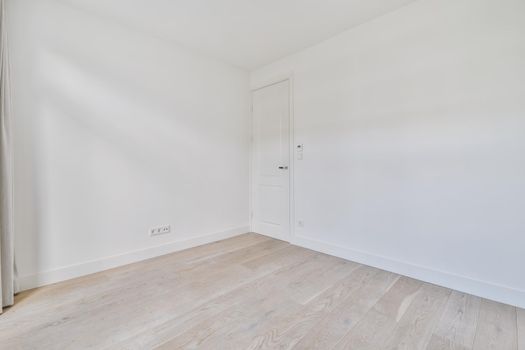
(117, 131)
(414, 133)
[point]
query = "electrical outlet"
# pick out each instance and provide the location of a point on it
(159, 230)
(300, 152)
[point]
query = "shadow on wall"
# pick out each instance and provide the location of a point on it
(117, 131)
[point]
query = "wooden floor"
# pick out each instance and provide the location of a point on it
(253, 292)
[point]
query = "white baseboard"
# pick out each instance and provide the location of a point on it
(72, 271)
(487, 290)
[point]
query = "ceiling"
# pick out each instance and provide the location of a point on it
(245, 33)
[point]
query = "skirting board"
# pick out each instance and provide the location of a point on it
(89, 267)
(487, 290)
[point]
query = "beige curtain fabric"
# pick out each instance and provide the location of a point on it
(6, 170)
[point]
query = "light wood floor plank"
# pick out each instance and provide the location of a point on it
(414, 329)
(521, 329)
(254, 292)
(327, 333)
(156, 297)
(457, 328)
(497, 328)
(286, 332)
(374, 329)
(278, 298)
(135, 275)
(282, 262)
(106, 282)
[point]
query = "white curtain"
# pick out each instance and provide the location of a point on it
(6, 171)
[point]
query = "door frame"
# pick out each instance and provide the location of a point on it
(291, 150)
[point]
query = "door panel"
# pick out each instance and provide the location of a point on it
(271, 161)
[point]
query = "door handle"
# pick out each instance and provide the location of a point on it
(283, 167)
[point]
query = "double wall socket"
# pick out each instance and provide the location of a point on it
(159, 230)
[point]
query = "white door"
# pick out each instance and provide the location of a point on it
(271, 161)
